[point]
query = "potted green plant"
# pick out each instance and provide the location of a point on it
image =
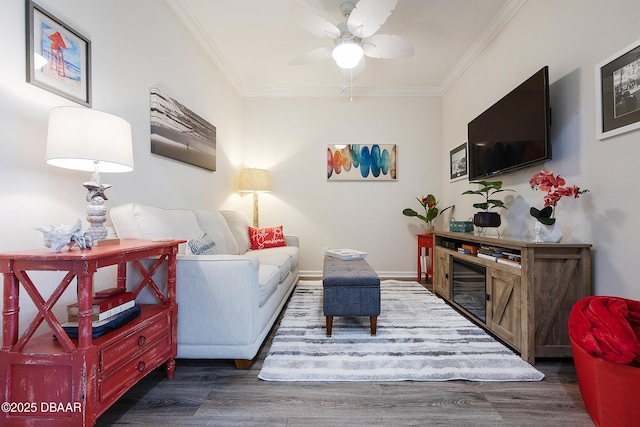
(431, 211)
(487, 218)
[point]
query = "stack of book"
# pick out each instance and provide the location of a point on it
(425, 261)
(489, 252)
(111, 309)
(500, 255)
(510, 258)
(468, 249)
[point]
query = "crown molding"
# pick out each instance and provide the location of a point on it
(192, 24)
(494, 28)
(337, 92)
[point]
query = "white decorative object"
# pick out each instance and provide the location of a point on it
(547, 233)
(346, 254)
(58, 236)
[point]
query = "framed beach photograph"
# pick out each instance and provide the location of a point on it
(458, 162)
(58, 57)
(361, 162)
(617, 85)
(180, 134)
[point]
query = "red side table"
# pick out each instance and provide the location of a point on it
(54, 380)
(425, 241)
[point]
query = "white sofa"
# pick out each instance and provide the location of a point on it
(227, 302)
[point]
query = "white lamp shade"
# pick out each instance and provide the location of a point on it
(252, 179)
(78, 137)
(347, 54)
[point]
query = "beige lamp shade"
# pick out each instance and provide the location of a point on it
(79, 137)
(252, 179)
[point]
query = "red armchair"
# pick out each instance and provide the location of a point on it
(604, 333)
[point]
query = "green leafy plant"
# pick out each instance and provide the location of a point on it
(488, 190)
(431, 211)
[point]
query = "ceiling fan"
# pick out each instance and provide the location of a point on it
(355, 37)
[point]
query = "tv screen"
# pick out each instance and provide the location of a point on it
(514, 132)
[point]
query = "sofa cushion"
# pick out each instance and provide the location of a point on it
(239, 225)
(268, 278)
(136, 221)
(278, 257)
(214, 224)
(262, 238)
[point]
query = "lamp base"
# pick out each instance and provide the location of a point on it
(255, 209)
(96, 217)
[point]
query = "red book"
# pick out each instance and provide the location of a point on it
(109, 292)
(103, 304)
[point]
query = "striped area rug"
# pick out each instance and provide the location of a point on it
(420, 338)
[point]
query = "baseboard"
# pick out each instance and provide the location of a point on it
(384, 275)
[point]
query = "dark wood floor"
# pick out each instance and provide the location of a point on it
(214, 393)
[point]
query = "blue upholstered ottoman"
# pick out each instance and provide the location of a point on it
(350, 288)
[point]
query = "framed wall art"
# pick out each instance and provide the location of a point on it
(180, 134)
(458, 162)
(361, 162)
(617, 85)
(58, 57)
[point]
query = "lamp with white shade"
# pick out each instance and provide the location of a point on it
(89, 140)
(253, 180)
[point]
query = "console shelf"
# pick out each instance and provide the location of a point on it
(527, 307)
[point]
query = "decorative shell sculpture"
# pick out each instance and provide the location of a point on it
(59, 236)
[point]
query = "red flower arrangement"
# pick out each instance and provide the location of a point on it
(556, 189)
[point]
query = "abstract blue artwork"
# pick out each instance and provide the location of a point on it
(358, 162)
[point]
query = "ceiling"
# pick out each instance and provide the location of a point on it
(252, 42)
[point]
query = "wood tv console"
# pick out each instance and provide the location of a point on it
(527, 307)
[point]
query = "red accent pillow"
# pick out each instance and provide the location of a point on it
(262, 238)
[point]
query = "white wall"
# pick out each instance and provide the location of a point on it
(571, 37)
(290, 136)
(136, 45)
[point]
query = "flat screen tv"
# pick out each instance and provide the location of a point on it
(514, 132)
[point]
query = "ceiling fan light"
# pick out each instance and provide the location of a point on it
(347, 54)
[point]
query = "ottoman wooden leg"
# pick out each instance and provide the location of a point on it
(329, 325)
(374, 324)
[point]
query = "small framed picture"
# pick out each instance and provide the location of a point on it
(617, 85)
(458, 162)
(58, 57)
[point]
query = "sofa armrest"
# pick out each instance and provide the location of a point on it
(292, 240)
(217, 296)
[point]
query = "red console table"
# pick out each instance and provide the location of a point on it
(53, 380)
(425, 241)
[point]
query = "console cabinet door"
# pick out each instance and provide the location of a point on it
(503, 306)
(441, 279)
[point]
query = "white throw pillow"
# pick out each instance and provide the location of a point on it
(205, 245)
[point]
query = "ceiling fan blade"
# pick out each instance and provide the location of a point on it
(387, 46)
(368, 16)
(354, 72)
(312, 56)
(314, 23)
